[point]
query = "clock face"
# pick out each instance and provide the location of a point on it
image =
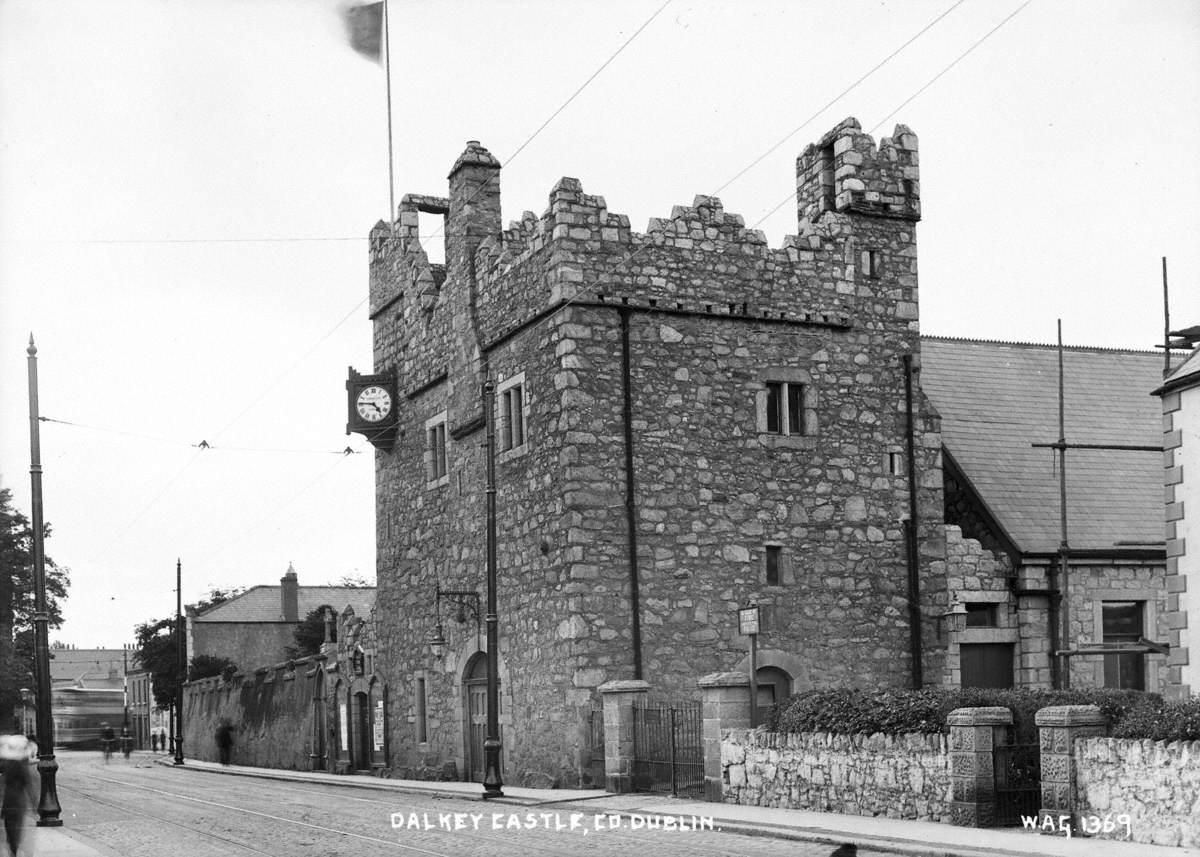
(373, 403)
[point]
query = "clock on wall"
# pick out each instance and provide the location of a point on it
(372, 407)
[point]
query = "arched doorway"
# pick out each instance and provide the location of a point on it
(774, 685)
(475, 716)
(361, 752)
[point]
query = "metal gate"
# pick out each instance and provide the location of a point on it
(1018, 778)
(667, 752)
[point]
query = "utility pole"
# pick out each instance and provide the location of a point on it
(181, 646)
(48, 806)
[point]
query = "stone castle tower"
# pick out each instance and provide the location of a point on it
(688, 421)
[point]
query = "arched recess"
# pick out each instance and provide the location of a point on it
(473, 684)
(779, 675)
(364, 704)
(318, 755)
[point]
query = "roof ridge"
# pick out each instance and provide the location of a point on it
(1020, 344)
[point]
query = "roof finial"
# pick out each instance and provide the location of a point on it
(32, 349)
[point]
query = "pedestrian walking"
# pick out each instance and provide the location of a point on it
(107, 739)
(225, 740)
(153, 742)
(18, 787)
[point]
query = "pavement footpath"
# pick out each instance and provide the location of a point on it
(897, 836)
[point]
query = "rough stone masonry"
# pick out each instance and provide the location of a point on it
(689, 421)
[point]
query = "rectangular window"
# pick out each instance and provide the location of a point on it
(981, 615)
(422, 720)
(785, 407)
(512, 417)
(869, 263)
(1123, 623)
(774, 564)
(986, 664)
(435, 449)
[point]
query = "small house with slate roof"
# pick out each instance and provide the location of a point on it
(997, 400)
(1180, 394)
(256, 628)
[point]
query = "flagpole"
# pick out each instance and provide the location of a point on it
(387, 70)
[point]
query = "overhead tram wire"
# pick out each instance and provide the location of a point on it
(837, 98)
(255, 527)
(203, 444)
(554, 115)
(960, 57)
(792, 195)
(266, 389)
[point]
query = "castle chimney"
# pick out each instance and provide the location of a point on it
(289, 595)
(474, 203)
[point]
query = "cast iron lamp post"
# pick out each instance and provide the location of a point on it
(48, 806)
(492, 785)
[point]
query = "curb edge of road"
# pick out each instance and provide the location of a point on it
(350, 782)
(766, 830)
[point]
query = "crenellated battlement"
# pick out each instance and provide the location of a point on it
(845, 172)
(854, 250)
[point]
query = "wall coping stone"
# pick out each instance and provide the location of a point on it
(624, 686)
(1070, 715)
(987, 716)
(726, 679)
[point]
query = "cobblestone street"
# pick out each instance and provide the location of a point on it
(135, 807)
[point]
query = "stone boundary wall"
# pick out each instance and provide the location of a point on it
(1155, 783)
(271, 711)
(897, 776)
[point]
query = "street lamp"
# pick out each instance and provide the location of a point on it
(48, 806)
(492, 785)
(955, 618)
(465, 600)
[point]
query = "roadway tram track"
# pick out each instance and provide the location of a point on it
(213, 804)
(685, 842)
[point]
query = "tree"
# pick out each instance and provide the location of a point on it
(354, 581)
(17, 602)
(158, 652)
(310, 633)
(206, 666)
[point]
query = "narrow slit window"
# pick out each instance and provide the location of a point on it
(422, 719)
(773, 561)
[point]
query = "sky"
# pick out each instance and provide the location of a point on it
(186, 191)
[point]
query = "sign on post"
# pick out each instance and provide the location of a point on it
(748, 626)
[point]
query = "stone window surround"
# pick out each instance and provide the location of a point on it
(503, 385)
(1149, 622)
(787, 575)
(805, 440)
(437, 419)
(870, 263)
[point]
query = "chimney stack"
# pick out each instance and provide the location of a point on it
(289, 595)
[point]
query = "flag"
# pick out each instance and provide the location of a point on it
(364, 27)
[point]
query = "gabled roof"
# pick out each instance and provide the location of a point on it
(998, 398)
(264, 603)
(1186, 374)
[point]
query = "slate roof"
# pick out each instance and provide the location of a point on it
(264, 603)
(91, 667)
(997, 398)
(1186, 374)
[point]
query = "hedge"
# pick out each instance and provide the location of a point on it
(1131, 714)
